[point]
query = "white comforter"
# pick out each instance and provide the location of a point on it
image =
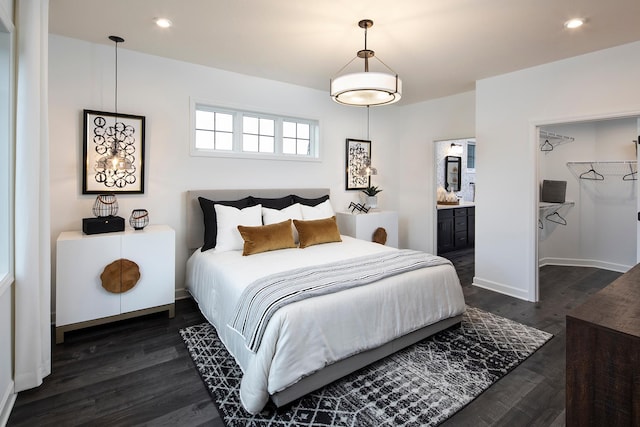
(303, 337)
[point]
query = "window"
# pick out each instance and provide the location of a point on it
(221, 131)
(258, 135)
(296, 138)
(471, 156)
(214, 130)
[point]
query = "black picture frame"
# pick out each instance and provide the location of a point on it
(358, 157)
(453, 173)
(99, 130)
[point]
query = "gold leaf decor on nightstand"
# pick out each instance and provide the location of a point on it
(380, 236)
(120, 276)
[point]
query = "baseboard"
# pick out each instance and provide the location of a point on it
(501, 288)
(182, 293)
(6, 404)
(569, 262)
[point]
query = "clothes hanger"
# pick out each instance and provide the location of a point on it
(595, 177)
(631, 176)
(557, 218)
(540, 224)
(546, 146)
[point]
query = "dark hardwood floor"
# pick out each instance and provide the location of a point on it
(533, 393)
(138, 371)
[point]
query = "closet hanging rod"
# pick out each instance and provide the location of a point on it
(605, 162)
(553, 135)
(597, 170)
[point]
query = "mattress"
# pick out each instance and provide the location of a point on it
(303, 337)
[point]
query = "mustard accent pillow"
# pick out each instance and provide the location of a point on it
(265, 238)
(317, 231)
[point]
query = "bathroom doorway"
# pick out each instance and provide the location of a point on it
(455, 169)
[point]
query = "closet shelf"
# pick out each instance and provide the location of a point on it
(552, 140)
(599, 170)
(549, 205)
(554, 215)
(553, 135)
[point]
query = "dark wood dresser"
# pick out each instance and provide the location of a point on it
(603, 356)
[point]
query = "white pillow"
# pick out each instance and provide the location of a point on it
(274, 216)
(321, 211)
(228, 220)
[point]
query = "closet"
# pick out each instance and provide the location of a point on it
(596, 223)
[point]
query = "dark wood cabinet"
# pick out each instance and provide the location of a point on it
(471, 227)
(445, 230)
(603, 356)
(456, 228)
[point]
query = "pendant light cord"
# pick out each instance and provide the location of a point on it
(114, 149)
(366, 58)
(116, 97)
(116, 40)
(368, 124)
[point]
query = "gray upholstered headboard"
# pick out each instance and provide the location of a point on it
(195, 220)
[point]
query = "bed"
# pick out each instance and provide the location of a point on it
(312, 342)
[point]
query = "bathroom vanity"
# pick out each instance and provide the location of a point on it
(456, 226)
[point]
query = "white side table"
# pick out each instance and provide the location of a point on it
(81, 301)
(362, 225)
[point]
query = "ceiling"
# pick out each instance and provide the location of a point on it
(438, 47)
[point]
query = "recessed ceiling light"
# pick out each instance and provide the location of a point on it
(163, 22)
(574, 23)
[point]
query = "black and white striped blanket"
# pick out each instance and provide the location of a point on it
(262, 298)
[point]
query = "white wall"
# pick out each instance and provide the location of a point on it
(598, 225)
(81, 76)
(603, 83)
(416, 128)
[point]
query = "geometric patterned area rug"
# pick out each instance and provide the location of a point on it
(422, 385)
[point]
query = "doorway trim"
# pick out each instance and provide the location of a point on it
(534, 136)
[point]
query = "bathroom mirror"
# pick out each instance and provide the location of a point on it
(452, 173)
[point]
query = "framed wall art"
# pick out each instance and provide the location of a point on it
(113, 153)
(358, 156)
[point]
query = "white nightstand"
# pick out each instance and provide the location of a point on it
(81, 301)
(362, 225)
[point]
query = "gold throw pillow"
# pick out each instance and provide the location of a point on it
(317, 231)
(265, 238)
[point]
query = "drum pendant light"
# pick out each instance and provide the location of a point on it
(366, 88)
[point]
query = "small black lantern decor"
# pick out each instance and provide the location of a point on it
(105, 209)
(105, 205)
(139, 219)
